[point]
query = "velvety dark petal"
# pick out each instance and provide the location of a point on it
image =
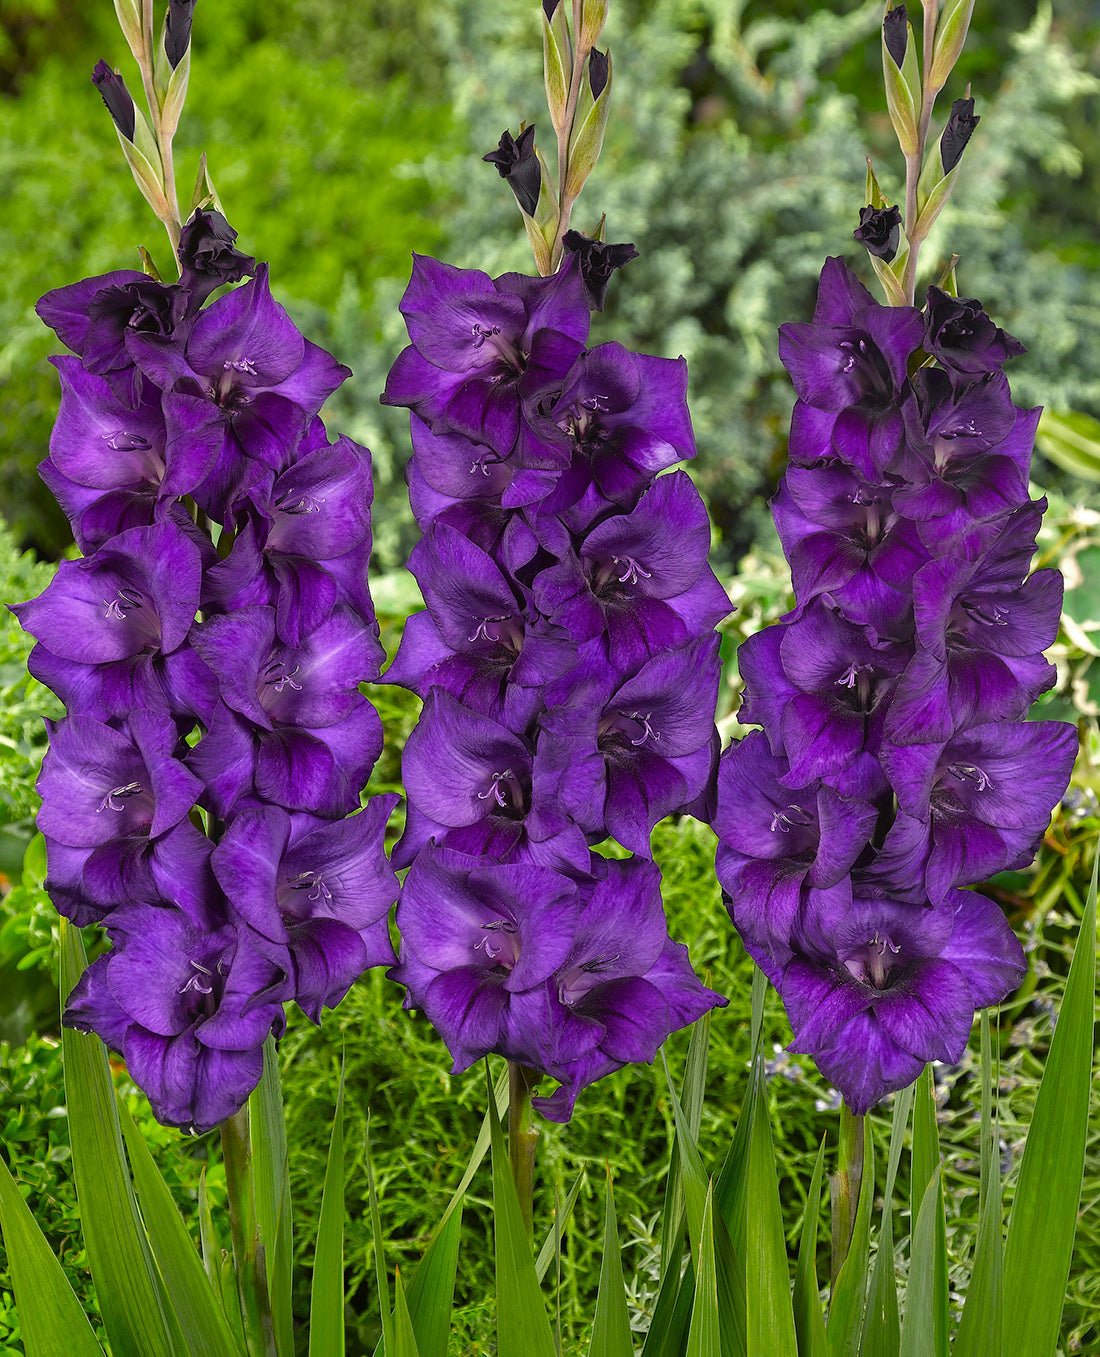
(466, 1007)
(328, 958)
(96, 441)
(320, 771)
(189, 1085)
(246, 863)
(820, 1004)
(929, 1012)
(91, 1007)
(985, 949)
(865, 1064)
(247, 332)
(634, 1015)
(452, 314)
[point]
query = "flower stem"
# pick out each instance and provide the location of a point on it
(248, 1253)
(844, 1187)
(522, 1139)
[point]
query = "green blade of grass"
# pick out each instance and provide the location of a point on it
(695, 1078)
(550, 1244)
(271, 1177)
(611, 1324)
(926, 1164)
(218, 1265)
(131, 1298)
(849, 1296)
(326, 1299)
(431, 1295)
(523, 1330)
(704, 1335)
(882, 1321)
(1044, 1212)
(770, 1320)
(404, 1336)
(980, 1330)
(194, 1298)
(919, 1329)
(809, 1322)
(50, 1316)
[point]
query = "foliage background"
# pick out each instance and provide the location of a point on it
(342, 136)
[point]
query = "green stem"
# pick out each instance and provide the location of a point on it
(522, 1139)
(248, 1254)
(844, 1187)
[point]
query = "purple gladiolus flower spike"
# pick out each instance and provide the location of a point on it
(877, 989)
(188, 1005)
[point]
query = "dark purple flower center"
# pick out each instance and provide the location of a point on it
(789, 818)
(203, 990)
(857, 679)
(504, 632)
(969, 772)
(861, 360)
(576, 982)
(873, 963)
(504, 348)
(505, 795)
(226, 391)
(498, 945)
(619, 729)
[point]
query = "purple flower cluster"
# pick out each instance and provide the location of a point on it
(895, 765)
(568, 666)
(193, 798)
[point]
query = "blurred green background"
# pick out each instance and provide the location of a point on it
(344, 134)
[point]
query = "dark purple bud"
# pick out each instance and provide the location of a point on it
(550, 8)
(597, 72)
(895, 33)
(207, 256)
(879, 229)
(116, 96)
(516, 161)
(177, 31)
(597, 263)
(964, 339)
(959, 129)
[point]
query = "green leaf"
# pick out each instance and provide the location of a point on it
(219, 1265)
(431, 1293)
(611, 1325)
(926, 1162)
(1044, 1212)
(50, 1316)
(882, 1321)
(919, 1331)
(770, 1321)
(271, 1178)
(850, 1292)
(379, 1258)
(695, 1180)
(1071, 440)
(980, 1331)
(326, 1300)
(671, 1312)
(695, 1079)
(131, 1299)
(523, 1329)
(809, 1322)
(404, 1337)
(194, 1298)
(704, 1338)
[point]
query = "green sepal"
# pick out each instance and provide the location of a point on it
(933, 190)
(593, 18)
(51, 1318)
(951, 30)
(903, 93)
(874, 195)
(143, 158)
(176, 92)
(147, 266)
(890, 275)
(129, 20)
(205, 194)
(556, 61)
(947, 281)
(586, 141)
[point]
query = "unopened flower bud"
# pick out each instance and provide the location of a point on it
(177, 31)
(879, 229)
(116, 96)
(895, 33)
(959, 129)
(549, 7)
(517, 162)
(597, 73)
(207, 256)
